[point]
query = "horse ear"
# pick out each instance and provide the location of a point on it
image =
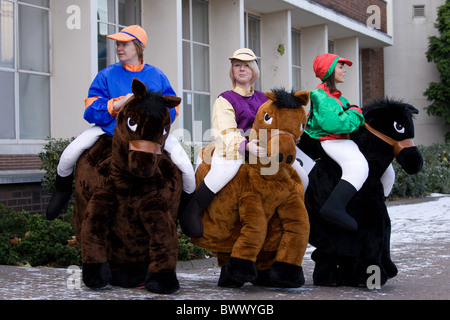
(303, 96)
(172, 101)
(271, 95)
(139, 89)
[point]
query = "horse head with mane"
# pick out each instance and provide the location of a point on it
(342, 257)
(127, 192)
(257, 223)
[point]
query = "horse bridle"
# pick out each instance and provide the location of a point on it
(278, 133)
(398, 145)
(142, 145)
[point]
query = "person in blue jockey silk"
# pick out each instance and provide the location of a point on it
(108, 93)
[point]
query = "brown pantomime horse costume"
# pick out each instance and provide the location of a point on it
(127, 192)
(257, 223)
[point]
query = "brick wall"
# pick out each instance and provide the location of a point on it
(19, 162)
(22, 196)
(372, 67)
(356, 9)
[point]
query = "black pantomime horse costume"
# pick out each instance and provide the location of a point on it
(343, 257)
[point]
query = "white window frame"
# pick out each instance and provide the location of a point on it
(19, 145)
(117, 27)
(194, 139)
(259, 84)
(297, 68)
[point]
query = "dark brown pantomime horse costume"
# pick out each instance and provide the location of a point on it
(126, 200)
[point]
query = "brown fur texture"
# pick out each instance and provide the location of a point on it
(126, 201)
(261, 218)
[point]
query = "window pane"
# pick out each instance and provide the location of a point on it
(6, 34)
(200, 21)
(186, 20)
(296, 53)
(34, 106)
(105, 11)
(42, 3)
(34, 39)
(202, 118)
(254, 34)
(129, 12)
(106, 47)
(201, 68)
(187, 114)
(187, 85)
(7, 120)
(296, 79)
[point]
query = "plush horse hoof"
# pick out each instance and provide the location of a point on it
(96, 275)
(286, 275)
(129, 275)
(162, 282)
(263, 279)
(226, 281)
(241, 270)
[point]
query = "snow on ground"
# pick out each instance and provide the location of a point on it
(422, 229)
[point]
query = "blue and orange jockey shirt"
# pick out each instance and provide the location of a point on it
(113, 83)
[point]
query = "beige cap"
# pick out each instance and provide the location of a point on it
(243, 54)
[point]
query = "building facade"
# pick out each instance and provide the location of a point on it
(407, 71)
(51, 50)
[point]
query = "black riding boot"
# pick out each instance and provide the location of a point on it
(190, 220)
(334, 208)
(60, 197)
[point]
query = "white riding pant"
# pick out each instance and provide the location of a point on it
(388, 180)
(347, 155)
(87, 139)
(221, 172)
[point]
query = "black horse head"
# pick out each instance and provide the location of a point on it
(142, 128)
(392, 122)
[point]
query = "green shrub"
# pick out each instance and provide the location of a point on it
(433, 178)
(31, 238)
(50, 158)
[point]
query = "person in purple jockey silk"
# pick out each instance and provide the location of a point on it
(234, 112)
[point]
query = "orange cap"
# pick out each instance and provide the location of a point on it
(131, 33)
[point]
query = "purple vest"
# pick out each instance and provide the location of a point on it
(245, 108)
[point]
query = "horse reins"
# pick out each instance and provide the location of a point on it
(398, 145)
(142, 145)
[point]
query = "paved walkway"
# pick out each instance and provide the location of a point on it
(420, 248)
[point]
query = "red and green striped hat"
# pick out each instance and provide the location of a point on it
(324, 64)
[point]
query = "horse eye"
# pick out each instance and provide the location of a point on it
(132, 125)
(166, 129)
(302, 127)
(399, 127)
(268, 119)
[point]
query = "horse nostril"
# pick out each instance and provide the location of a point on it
(280, 157)
(147, 173)
(135, 171)
(289, 159)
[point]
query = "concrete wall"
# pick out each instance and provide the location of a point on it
(71, 68)
(407, 71)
